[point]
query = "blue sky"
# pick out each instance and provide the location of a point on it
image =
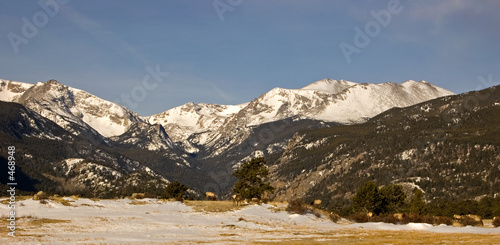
(243, 48)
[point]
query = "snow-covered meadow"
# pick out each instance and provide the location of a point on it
(151, 221)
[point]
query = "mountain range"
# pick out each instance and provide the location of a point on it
(448, 147)
(197, 144)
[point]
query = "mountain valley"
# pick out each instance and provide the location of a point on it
(322, 140)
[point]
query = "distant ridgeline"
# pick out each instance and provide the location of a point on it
(321, 141)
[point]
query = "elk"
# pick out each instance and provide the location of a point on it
(236, 199)
(210, 196)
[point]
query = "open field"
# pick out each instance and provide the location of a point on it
(149, 221)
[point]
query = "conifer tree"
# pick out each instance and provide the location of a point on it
(175, 190)
(393, 198)
(251, 179)
(367, 198)
(417, 203)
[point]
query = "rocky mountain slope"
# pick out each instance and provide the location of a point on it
(448, 147)
(217, 128)
(201, 144)
(79, 112)
(51, 158)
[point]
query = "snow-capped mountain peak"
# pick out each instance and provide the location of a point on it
(65, 105)
(195, 125)
(329, 86)
(10, 91)
(183, 121)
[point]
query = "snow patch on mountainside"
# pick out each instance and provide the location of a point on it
(184, 121)
(329, 86)
(66, 106)
(218, 126)
(12, 90)
(194, 126)
(355, 103)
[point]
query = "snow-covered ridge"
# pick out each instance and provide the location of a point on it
(196, 117)
(326, 100)
(338, 101)
(199, 124)
(329, 86)
(65, 105)
(11, 90)
(183, 121)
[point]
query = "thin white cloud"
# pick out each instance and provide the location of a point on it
(436, 11)
(221, 93)
(99, 32)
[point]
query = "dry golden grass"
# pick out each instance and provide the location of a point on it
(135, 202)
(18, 198)
(61, 200)
(31, 221)
(358, 236)
(44, 221)
(212, 206)
(225, 206)
(89, 205)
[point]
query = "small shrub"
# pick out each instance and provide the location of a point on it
(415, 218)
(179, 199)
(496, 222)
(334, 217)
(40, 195)
(390, 218)
(138, 195)
(44, 201)
(428, 219)
(317, 214)
(359, 217)
(438, 220)
(296, 206)
(465, 221)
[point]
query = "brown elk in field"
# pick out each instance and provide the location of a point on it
(236, 199)
(210, 196)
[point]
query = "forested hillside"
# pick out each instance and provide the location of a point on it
(448, 147)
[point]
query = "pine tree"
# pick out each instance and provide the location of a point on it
(367, 198)
(251, 176)
(175, 190)
(393, 198)
(417, 203)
